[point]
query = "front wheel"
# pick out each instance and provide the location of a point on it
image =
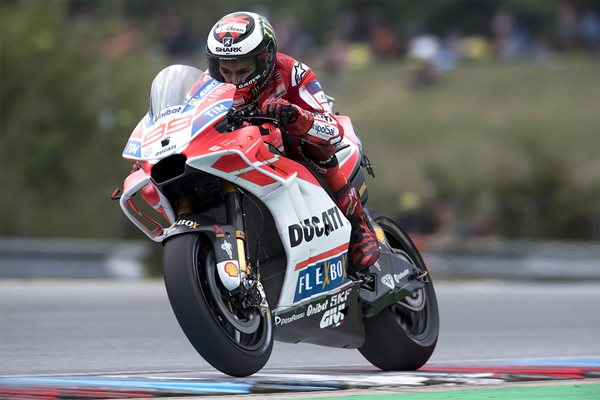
(234, 339)
(403, 336)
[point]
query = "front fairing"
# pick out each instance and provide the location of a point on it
(170, 89)
(175, 116)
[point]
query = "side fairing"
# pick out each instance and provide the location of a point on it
(315, 235)
(313, 230)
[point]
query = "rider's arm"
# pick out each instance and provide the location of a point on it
(305, 110)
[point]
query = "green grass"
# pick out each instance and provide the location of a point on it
(547, 392)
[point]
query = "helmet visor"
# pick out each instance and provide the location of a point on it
(238, 71)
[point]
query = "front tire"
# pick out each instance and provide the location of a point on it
(234, 340)
(403, 336)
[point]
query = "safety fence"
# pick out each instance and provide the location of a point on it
(523, 259)
(71, 258)
(446, 259)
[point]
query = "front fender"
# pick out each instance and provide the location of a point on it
(223, 240)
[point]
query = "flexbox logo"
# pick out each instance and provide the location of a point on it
(310, 228)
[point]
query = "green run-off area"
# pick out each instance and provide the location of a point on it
(558, 392)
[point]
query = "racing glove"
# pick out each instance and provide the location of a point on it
(294, 119)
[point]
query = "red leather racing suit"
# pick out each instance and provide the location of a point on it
(313, 137)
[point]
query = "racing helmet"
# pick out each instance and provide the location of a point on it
(238, 36)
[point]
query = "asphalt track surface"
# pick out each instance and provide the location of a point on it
(73, 334)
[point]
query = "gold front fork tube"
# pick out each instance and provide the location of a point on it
(228, 187)
(241, 252)
(235, 219)
(184, 206)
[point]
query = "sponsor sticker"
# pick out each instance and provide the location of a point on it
(309, 99)
(211, 90)
(323, 130)
(286, 319)
(320, 97)
(314, 87)
(380, 234)
(227, 247)
(206, 88)
(334, 316)
(210, 115)
(398, 277)
(324, 117)
(219, 231)
(228, 49)
(280, 91)
(229, 274)
(133, 148)
(167, 112)
(388, 281)
(231, 269)
(266, 28)
(314, 309)
(234, 25)
(165, 150)
(298, 72)
(321, 277)
(315, 227)
(187, 223)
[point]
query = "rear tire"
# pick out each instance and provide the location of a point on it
(236, 341)
(399, 339)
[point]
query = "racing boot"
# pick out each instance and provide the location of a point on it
(364, 248)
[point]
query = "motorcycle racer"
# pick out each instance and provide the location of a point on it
(242, 50)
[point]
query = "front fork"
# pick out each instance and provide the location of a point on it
(235, 217)
(227, 237)
(233, 267)
(252, 289)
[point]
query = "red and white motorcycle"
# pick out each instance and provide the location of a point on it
(255, 248)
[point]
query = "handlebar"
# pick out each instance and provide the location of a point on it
(250, 114)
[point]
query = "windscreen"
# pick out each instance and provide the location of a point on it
(170, 87)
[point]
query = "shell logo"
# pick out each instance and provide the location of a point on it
(231, 269)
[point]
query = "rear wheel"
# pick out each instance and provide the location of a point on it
(404, 335)
(234, 338)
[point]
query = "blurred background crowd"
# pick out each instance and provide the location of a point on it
(482, 118)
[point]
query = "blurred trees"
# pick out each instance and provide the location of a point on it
(71, 89)
(544, 201)
(75, 75)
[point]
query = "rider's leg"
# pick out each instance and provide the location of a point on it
(364, 247)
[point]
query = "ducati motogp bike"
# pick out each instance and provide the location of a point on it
(255, 248)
